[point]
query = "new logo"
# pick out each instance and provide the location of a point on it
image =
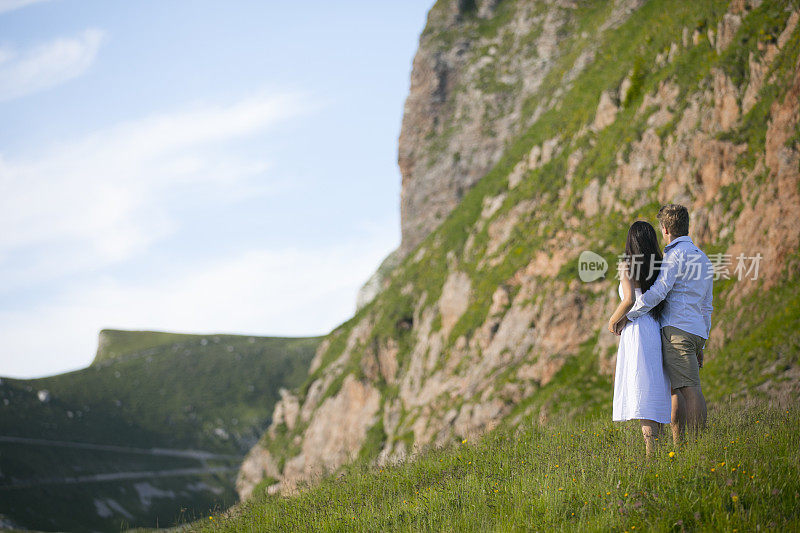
(591, 266)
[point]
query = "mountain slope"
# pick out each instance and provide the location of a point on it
(144, 391)
(585, 475)
(485, 319)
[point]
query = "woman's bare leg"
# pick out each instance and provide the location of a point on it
(650, 431)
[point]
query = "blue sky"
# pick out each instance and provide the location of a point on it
(194, 166)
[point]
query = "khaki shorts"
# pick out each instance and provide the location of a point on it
(680, 350)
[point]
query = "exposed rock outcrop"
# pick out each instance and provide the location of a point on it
(467, 100)
(606, 112)
(258, 464)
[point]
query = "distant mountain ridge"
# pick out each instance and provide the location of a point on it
(112, 343)
(145, 390)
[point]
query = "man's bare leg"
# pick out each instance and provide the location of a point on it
(678, 422)
(696, 412)
(650, 431)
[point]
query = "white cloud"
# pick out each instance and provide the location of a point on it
(288, 292)
(99, 200)
(87, 204)
(11, 5)
(48, 64)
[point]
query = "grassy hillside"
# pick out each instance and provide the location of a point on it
(145, 390)
(573, 475)
(530, 338)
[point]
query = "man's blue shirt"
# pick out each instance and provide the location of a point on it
(685, 284)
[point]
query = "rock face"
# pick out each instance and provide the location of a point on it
(567, 124)
(482, 74)
(606, 112)
(336, 431)
(257, 465)
(467, 100)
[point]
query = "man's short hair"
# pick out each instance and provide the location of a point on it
(675, 219)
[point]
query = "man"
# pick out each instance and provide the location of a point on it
(684, 283)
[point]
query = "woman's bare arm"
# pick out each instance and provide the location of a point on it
(627, 297)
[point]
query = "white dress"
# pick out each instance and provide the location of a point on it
(641, 387)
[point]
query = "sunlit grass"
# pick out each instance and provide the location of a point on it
(741, 474)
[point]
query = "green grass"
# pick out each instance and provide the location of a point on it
(742, 474)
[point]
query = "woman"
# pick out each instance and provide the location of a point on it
(641, 388)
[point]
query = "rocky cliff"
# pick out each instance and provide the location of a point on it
(470, 94)
(534, 131)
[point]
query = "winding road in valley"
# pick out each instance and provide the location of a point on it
(116, 476)
(199, 455)
(170, 452)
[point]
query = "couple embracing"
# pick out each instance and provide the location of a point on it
(663, 321)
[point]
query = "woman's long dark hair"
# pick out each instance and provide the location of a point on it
(644, 258)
